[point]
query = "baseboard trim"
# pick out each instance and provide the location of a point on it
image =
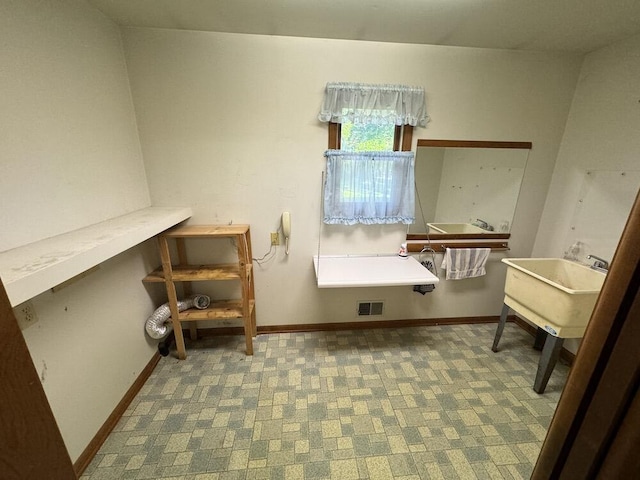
(83, 461)
(565, 354)
(373, 324)
(363, 325)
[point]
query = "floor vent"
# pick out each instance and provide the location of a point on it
(370, 308)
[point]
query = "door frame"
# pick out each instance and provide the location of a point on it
(31, 445)
(595, 431)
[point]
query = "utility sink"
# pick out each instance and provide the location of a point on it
(455, 228)
(557, 296)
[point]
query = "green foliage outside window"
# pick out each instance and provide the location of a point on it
(366, 137)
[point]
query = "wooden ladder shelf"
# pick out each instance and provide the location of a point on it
(183, 272)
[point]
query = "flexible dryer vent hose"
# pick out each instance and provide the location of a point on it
(158, 326)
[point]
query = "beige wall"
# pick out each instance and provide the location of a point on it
(70, 153)
(89, 345)
(70, 157)
(228, 124)
(601, 136)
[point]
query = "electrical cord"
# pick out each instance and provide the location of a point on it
(267, 256)
(427, 247)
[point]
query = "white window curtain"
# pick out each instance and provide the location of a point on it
(369, 188)
(364, 103)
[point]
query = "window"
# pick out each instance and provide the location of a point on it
(368, 179)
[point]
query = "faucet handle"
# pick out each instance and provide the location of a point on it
(599, 263)
(482, 224)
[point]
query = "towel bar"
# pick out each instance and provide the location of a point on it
(441, 247)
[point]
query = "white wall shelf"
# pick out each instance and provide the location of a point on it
(343, 271)
(29, 270)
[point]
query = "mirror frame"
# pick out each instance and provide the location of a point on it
(466, 144)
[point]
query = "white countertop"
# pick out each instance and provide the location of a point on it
(339, 271)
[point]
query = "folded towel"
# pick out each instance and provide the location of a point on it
(463, 263)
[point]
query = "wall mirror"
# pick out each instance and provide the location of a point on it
(467, 189)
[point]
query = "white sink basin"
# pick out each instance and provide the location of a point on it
(455, 228)
(555, 294)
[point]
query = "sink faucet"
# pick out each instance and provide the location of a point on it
(482, 224)
(599, 264)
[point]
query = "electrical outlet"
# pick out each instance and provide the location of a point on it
(25, 314)
(275, 238)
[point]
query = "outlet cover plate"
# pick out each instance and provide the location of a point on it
(25, 314)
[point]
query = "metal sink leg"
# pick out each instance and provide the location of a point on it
(548, 360)
(503, 320)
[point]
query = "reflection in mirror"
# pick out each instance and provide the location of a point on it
(467, 188)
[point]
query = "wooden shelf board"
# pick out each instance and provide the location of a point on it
(32, 269)
(194, 231)
(195, 273)
(220, 310)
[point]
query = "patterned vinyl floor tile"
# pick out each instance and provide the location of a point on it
(408, 403)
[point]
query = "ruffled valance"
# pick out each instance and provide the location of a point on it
(364, 103)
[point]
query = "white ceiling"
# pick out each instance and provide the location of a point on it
(577, 26)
